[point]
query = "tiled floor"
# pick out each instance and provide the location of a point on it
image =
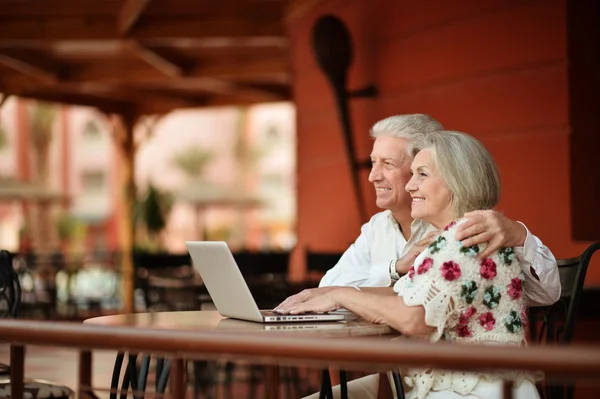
(60, 366)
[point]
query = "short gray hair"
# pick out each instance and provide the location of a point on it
(409, 127)
(467, 168)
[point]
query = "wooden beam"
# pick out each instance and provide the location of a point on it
(105, 28)
(3, 98)
(89, 8)
(104, 104)
(275, 69)
(130, 13)
(255, 93)
(31, 63)
(59, 8)
(163, 63)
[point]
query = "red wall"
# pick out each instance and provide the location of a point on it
(495, 69)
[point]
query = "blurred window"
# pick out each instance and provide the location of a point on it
(93, 182)
(91, 132)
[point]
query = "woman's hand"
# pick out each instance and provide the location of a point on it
(405, 262)
(326, 302)
(301, 297)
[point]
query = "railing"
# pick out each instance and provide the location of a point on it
(372, 354)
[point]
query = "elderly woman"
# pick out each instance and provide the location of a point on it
(449, 293)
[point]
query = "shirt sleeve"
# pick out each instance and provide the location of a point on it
(355, 267)
(542, 285)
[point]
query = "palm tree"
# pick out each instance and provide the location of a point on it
(152, 212)
(192, 161)
(3, 138)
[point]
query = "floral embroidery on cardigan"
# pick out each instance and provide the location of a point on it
(513, 322)
(462, 329)
(515, 288)
(488, 269)
(487, 321)
(425, 266)
(491, 297)
(437, 245)
(451, 270)
(507, 255)
(468, 291)
(473, 250)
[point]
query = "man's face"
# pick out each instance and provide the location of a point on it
(390, 172)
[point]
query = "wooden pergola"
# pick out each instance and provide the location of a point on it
(142, 56)
(136, 57)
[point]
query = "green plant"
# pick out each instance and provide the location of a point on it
(152, 213)
(69, 228)
(3, 137)
(192, 161)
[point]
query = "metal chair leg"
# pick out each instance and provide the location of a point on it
(326, 389)
(114, 384)
(343, 384)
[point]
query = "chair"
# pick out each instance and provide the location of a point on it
(558, 320)
(168, 282)
(10, 300)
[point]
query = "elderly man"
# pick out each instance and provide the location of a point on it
(391, 240)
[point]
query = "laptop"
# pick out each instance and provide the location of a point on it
(228, 323)
(230, 293)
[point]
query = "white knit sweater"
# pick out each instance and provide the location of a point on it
(466, 300)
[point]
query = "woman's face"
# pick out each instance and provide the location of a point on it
(431, 197)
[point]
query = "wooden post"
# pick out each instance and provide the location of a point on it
(123, 131)
(272, 382)
(84, 388)
(177, 378)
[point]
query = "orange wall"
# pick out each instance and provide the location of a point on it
(494, 69)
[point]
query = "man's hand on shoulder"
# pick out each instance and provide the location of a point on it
(302, 296)
(493, 227)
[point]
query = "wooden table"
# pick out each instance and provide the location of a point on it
(213, 321)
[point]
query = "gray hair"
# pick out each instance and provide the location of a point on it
(409, 127)
(467, 168)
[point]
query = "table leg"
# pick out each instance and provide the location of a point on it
(385, 389)
(507, 389)
(17, 370)
(272, 382)
(177, 378)
(85, 374)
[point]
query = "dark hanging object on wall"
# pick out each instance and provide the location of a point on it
(333, 50)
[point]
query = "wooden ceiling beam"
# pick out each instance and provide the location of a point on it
(89, 8)
(165, 64)
(130, 13)
(3, 98)
(104, 104)
(219, 86)
(15, 31)
(58, 8)
(31, 63)
(275, 69)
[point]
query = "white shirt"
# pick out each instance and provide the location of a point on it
(366, 262)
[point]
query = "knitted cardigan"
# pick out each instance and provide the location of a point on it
(466, 300)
